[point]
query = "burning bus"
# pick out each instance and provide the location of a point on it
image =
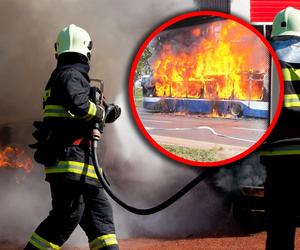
(209, 65)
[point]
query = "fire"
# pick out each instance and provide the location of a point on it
(16, 158)
(225, 61)
(196, 32)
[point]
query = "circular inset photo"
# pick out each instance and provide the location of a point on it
(206, 88)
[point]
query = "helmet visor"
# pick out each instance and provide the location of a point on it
(288, 49)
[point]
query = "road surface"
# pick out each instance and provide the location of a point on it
(203, 132)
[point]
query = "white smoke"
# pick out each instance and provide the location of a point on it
(27, 59)
(149, 177)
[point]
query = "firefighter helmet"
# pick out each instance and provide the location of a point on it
(286, 23)
(73, 39)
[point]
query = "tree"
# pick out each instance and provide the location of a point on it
(144, 67)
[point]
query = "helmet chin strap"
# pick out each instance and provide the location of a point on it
(55, 47)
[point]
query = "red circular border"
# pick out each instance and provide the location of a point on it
(140, 124)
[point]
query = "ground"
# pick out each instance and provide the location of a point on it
(250, 242)
(230, 136)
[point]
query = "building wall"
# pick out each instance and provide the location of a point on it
(241, 9)
(265, 11)
(217, 5)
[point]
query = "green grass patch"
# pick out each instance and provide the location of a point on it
(195, 154)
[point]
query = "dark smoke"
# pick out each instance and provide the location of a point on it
(178, 40)
(184, 41)
(249, 172)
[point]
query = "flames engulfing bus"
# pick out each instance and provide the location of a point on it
(209, 65)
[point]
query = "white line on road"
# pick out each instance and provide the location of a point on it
(156, 121)
(252, 129)
(201, 127)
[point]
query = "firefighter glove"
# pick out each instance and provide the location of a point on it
(113, 113)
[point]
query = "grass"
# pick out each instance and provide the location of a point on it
(138, 96)
(195, 154)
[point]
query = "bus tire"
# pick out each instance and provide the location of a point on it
(236, 109)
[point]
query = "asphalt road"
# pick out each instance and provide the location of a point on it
(220, 131)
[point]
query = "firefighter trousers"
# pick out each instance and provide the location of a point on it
(76, 203)
(282, 191)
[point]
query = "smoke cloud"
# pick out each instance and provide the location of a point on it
(136, 171)
(144, 178)
(27, 59)
(29, 30)
(248, 173)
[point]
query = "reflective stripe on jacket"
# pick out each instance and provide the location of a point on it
(72, 167)
(291, 75)
(281, 150)
(287, 127)
(69, 114)
(67, 96)
(62, 112)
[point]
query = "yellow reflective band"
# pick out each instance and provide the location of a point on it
(103, 241)
(92, 111)
(61, 111)
(42, 244)
(280, 152)
(291, 100)
(290, 74)
(58, 107)
(291, 104)
(75, 167)
(56, 111)
(291, 96)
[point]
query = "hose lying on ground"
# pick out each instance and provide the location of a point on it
(145, 211)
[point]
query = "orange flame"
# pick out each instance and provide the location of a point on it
(16, 158)
(229, 62)
(196, 32)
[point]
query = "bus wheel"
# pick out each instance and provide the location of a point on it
(236, 109)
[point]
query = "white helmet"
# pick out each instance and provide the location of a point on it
(73, 39)
(286, 23)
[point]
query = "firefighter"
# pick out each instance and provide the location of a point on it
(281, 155)
(68, 117)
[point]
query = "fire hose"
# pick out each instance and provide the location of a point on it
(96, 136)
